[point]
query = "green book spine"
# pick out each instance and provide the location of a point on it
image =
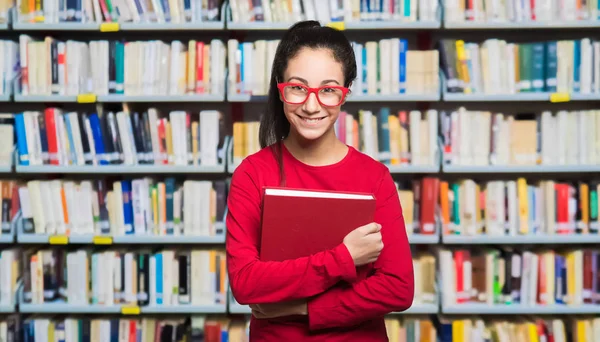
(551, 64)
(120, 68)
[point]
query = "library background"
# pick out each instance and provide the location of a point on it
(123, 120)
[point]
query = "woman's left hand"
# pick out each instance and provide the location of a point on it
(262, 311)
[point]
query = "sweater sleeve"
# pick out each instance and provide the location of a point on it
(256, 282)
(390, 288)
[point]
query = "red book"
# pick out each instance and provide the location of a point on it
(298, 223)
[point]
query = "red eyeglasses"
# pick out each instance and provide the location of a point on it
(297, 93)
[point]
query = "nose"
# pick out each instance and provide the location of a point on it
(312, 104)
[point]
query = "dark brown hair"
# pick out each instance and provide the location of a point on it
(274, 126)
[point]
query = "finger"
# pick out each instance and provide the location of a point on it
(370, 228)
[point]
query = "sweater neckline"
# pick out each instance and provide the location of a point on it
(298, 162)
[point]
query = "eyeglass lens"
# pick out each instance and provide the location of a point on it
(327, 96)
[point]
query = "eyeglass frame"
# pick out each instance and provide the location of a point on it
(345, 91)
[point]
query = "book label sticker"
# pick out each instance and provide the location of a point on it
(103, 240)
(559, 97)
(130, 310)
(109, 27)
(86, 98)
(58, 240)
(338, 25)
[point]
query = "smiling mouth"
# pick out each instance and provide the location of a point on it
(311, 120)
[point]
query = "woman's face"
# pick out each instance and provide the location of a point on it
(312, 68)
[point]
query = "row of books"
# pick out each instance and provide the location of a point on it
(162, 277)
(414, 329)
(146, 329)
(332, 11)
(280, 11)
(57, 67)
(518, 11)
(498, 66)
(519, 329)
(56, 137)
(519, 277)
(518, 207)
(135, 11)
(141, 206)
(215, 329)
(9, 61)
(548, 138)
(385, 67)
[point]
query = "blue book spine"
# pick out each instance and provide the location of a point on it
(98, 141)
(365, 82)
(159, 278)
(551, 65)
(21, 139)
(559, 291)
(127, 207)
(72, 154)
(402, 61)
(576, 65)
(383, 135)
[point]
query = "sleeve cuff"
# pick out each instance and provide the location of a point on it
(346, 264)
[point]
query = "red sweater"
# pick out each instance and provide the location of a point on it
(345, 303)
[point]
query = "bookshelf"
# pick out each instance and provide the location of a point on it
(226, 27)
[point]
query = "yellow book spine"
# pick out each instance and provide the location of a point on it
(523, 206)
(155, 207)
(570, 277)
(458, 331)
(461, 60)
(533, 334)
(169, 139)
(195, 142)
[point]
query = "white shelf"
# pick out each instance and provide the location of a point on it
(238, 309)
(5, 168)
(391, 25)
(184, 309)
(170, 239)
(520, 169)
(6, 238)
(7, 308)
(259, 26)
(394, 98)
(45, 98)
(422, 239)
(521, 25)
(120, 169)
(410, 169)
(161, 98)
(516, 309)
(4, 27)
(192, 26)
(457, 97)
(246, 98)
(420, 309)
(351, 25)
(573, 239)
(30, 238)
(73, 26)
(4, 97)
(63, 307)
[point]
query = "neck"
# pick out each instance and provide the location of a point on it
(326, 150)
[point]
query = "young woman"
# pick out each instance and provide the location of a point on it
(337, 295)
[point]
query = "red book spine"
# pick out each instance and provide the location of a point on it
(459, 260)
(562, 208)
(588, 277)
(162, 141)
(51, 135)
(200, 68)
(429, 196)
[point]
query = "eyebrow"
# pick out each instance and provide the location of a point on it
(306, 82)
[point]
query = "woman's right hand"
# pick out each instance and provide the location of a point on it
(364, 243)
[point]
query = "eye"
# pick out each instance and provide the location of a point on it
(328, 90)
(297, 88)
